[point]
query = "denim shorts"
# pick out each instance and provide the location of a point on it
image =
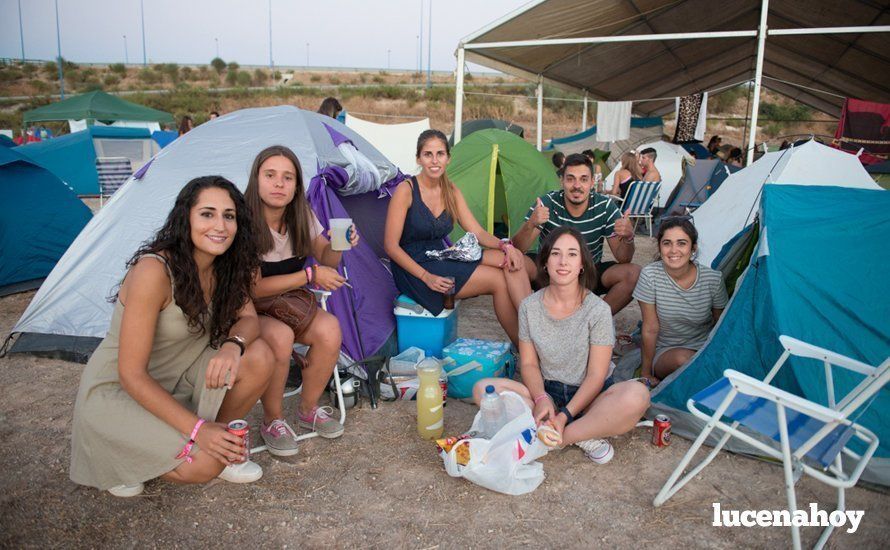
(563, 393)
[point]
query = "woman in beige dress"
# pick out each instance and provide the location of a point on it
(181, 357)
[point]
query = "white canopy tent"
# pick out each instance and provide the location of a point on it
(689, 46)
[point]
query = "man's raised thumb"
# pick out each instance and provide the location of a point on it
(539, 202)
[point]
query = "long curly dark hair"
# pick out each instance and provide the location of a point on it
(233, 269)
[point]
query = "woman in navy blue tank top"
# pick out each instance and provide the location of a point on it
(421, 214)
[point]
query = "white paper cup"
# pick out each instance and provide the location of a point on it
(339, 228)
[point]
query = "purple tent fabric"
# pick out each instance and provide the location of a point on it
(337, 137)
(365, 310)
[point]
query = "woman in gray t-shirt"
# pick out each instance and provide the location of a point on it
(565, 349)
(680, 301)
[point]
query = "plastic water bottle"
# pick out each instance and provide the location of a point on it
(494, 415)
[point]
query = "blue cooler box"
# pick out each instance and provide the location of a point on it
(473, 360)
(419, 328)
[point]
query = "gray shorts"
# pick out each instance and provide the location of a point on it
(660, 351)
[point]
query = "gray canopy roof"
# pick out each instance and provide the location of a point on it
(848, 65)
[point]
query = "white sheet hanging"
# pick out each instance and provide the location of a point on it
(702, 123)
(613, 120)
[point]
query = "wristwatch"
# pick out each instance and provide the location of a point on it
(569, 417)
(238, 341)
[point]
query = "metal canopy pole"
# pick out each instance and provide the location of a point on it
(584, 114)
(459, 96)
(540, 93)
(758, 76)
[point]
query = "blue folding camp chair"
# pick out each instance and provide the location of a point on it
(640, 200)
(812, 438)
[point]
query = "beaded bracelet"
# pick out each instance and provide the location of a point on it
(540, 397)
(184, 453)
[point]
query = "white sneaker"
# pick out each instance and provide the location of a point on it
(246, 472)
(127, 491)
(598, 450)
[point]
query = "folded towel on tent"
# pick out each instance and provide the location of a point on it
(613, 120)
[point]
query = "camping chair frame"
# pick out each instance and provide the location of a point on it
(111, 175)
(640, 209)
(836, 415)
(322, 296)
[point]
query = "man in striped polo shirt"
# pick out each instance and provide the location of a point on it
(596, 217)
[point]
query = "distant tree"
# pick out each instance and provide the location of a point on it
(118, 68)
(218, 64)
(260, 77)
(231, 77)
(244, 78)
(233, 66)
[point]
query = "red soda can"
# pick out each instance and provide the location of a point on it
(661, 431)
(242, 429)
(443, 382)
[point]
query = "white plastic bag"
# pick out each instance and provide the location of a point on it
(507, 463)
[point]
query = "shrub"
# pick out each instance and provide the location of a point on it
(50, 69)
(231, 77)
(29, 69)
(112, 80)
(149, 76)
(772, 129)
(777, 112)
(315, 78)
(440, 93)
(171, 70)
(260, 77)
(90, 85)
(218, 65)
(39, 86)
(187, 73)
(276, 76)
(727, 100)
(334, 80)
(118, 68)
(233, 66)
(376, 79)
(10, 75)
(244, 78)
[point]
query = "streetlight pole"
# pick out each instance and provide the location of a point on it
(420, 43)
(22, 31)
(271, 63)
(142, 16)
(429, 50)
(59, 46)
(217, 46)
(126, 54)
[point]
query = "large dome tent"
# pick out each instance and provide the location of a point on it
(70, 313)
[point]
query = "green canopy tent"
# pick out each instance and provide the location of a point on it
(477, 125)
(500, 175)
(96, 106)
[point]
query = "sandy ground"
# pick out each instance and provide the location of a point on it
(382, 486)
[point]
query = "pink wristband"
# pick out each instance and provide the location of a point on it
(540, 397)
(187, 449)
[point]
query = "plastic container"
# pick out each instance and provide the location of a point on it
(469, 360)
(494, 414)
(426, 331)
(430, 421)
(405, 363)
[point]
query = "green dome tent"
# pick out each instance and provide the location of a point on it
(480, 124)
(500, 175)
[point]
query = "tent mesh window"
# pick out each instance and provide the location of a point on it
(139, 151)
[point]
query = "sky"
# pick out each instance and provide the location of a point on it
(339, 33)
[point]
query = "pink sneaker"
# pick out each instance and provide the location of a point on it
(321, 421)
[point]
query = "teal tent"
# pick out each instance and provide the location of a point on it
(73, 157)
(95, 106)
(814, 275)
(39, 218)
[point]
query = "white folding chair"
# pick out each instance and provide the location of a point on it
(812, 438)
(640, 200)
(322, 296)
(113, 172)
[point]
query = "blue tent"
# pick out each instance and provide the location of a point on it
(39, 217)
(164, 137)
(6, 141)
(816, 276)
(73, 157)
(700, 181)
(696, 149)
